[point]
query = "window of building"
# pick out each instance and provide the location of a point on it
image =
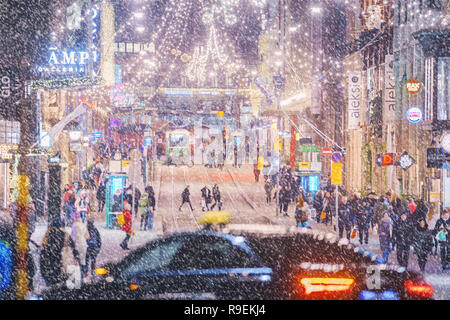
(434, 4)
(428, 88)
(443, 89)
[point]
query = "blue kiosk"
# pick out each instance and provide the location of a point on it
(114, 199)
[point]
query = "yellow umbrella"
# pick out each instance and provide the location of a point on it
(211, 217)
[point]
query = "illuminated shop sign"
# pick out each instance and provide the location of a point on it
(179, 92)
(414, 115)
(73, 56)
(413, 86)
(68, 61)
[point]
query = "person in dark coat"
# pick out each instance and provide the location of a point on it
(421, 211)
(101, 196)
(137, 196)
(394, 218)
(94, 244)
(216, 197)
(152, 200)
(69, 209)
(318, 204)
(117, 201)
(50, 259)
(268, 186)
(423, 242)
(284, 199)
(363, 219)
(385, 236)
(186, 198)
(344, 218)
(206, 196)
(403, 231)
(443, 225)
(379, 210)
(149, 190)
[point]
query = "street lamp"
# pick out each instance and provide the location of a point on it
(316, 10)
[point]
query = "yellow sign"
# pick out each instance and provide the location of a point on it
(260, 163)
(435, 197)
(274, 125)
(7, 150)
(125, 163)
(278, 144)
(336, 173)
(220, 113)
(304, 164)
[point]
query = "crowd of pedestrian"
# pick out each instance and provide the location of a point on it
(400, 225)
(209, 199)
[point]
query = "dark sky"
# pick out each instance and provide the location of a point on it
(244, 33)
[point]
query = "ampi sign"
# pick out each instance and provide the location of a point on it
(67, 61)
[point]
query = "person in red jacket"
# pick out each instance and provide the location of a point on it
(127, 225)
(412, 205)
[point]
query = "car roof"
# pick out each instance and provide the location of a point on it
(265, 231)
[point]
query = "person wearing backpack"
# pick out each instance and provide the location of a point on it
(126, 227)
(94, 243)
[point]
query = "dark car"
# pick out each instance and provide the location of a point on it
(242, 264)
(7, 256)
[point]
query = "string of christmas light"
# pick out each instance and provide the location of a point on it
(213, 54)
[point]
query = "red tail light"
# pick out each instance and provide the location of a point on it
(419, 289)
(326, 284)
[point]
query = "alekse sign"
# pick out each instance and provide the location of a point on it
(354, 99)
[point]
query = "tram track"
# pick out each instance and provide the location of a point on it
(242, 195)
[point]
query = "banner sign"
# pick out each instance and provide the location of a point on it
(336, 173)
(354, 99)
(389, 90)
